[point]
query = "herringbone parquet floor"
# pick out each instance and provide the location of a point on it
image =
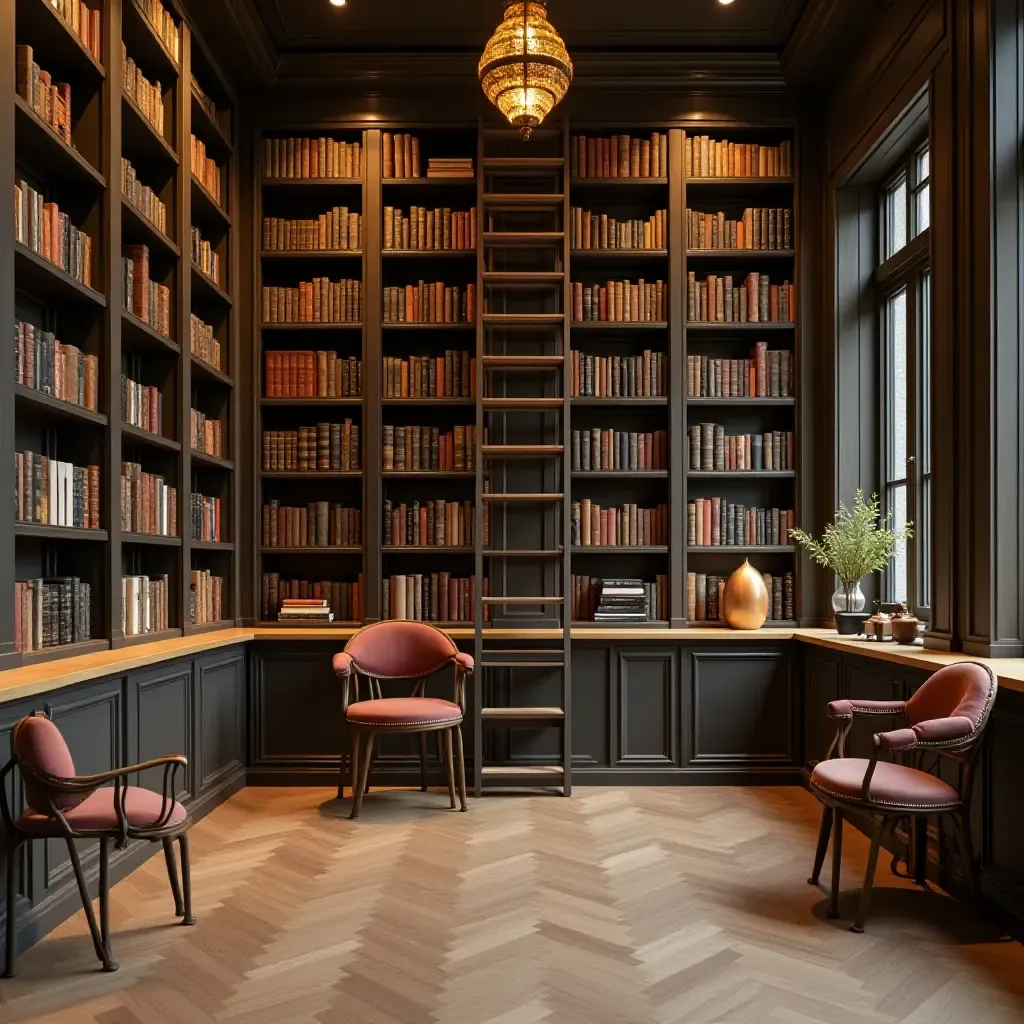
(618, 906)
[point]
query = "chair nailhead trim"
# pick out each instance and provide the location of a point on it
(874, 800)
(432, 721)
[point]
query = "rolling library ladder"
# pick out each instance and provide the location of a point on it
(521, 689)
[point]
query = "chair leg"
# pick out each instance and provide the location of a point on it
(423, 762)
(186, 881)
(83, 891)
(364, 774)
(919, 831)
(460, 766)
(449, 767)
(104, 898)
(341, 772)
(12, 897)
(962, 825)
(869, 877)
(172, 875)
(837, 861)
(823, 836)
(368, 768)
(354, 763)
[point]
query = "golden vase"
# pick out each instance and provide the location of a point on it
(745, 601)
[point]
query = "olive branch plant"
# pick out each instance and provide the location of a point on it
(857, 542)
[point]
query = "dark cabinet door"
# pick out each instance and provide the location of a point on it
(219, 735)
(647, 722)
(821, 685)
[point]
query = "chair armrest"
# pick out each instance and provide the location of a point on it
(342, 664)
(849, 708)
(934, 732)
(465, 662)
(84, 783)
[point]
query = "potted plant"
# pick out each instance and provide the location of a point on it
(858, 541)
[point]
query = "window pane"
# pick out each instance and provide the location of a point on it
(925, 374)
(923, 539)
(923, 164)
(896, 359)
(898, 567)
(923, 212)
(896, 217)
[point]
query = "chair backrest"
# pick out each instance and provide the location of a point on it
(400, 649)
(40, 750)
(965, 690)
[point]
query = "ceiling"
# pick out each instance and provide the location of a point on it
(297, 26)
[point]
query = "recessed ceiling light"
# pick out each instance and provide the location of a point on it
(341, 3)
(722, 2)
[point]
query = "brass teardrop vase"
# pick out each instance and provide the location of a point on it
(745, 601)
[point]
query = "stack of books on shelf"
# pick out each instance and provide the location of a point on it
(712, 449)
(619, 450)
(427, 230)
(766, 374)
(208, 104)
(205, 257)
(450, 167)
(312, 158)
(83, 22)
(430, 524)
(619, 156)
(759, 227)
(143, 297)
(50, 100)
(327, 447)
(319, 524)
(704, 157)
(620, 302)
(639, 376)
(421, 449)
(430, 303)
(627, 526)
(452, 375)
(586, 598)
(431, 597)
(142, 197)
(148, 505)
(202, 343)
(43, 364)
(206, 597)
(622, 600)
(205, 518)
(589, 230)
(336, 230)
(400, 155)
(206, 434)
(716, 521)
(305, 609)
(344, 598)
(320, 301)
(718, 300)
(141, 406)
(46, 231)
(144, 604)
(163, 23)
(307, 374)
(51, 612)
(148, 96)
(54, 493)
(704, 596)
(205, 169)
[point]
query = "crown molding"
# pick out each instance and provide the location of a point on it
(251, 57)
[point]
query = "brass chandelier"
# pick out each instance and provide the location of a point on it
(525, 69)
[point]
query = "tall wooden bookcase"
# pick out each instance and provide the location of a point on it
(84, 178)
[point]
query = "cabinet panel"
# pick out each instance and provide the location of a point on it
(220, 703)
(592, 712)
(742, 708)
(648, 720)
(159, 706)
(10, 715)
(821, 685)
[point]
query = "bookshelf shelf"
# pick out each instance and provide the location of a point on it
(312, 327)
(144, 45)
(145, 437)
(460, 326)
(311, 254)
(612, 402)
(742, 402)
(698, 327)
(312, 549)
(740, 255)
(311, 474)
(211, 545)
(211, 461)
(312, 183)
(739, 184)
(141, 137)
(740, 549)
(149, 638)
(44, 532)
(41, 26)
(436, 474)
(427, 254)
(141, 335)
(620, 474)
(426, 549)
(207, 288)
(152, 539)
(208, 209)
(601, 255)
(620, 549)
(40, 147)
(193, 629)
(64, 651)
(447, 181)
(46, 281)
(742, 474)
(617, 183)
(136, 222)
(209, 129)
(460, 401)
(29, 398)
(203, 370)
(310, 403)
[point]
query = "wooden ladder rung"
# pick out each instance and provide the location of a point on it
(497, 200)
(523, 600)
(520, 451)
(521, 404)
(522, 362)
(523, 664)
(517, 771)
(518, 552)
(539, 714)
(554, 496)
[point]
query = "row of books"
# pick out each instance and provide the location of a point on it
(319, 301)
(625, 526)
(309, 609)
(55, 493)
(148, 504)
(704, 594)
(704, 157)
(345, 598)
(206, 434)
(436, 523)
(49, 99)
(620, 156)
(589, 229)
(711, 448)
(712, 522)
(312, 158)
(619, 450)
(222, 117)
(757, 228)
(202, 343)
(319, 524)
(717, 299)
(206, 170)
(46, 231)
(430, 303)
(163, 22)
(144, 297)
(145, 603)
(204, 518)
(51, 612)
(83, 22)
(598, 600)
(327, 447)
(423, 229)
(640, 376)
(303, 373)
(452, 375)
(205, 256)
(339, 229)
(42, 363)
(206, 597)
(431, 597)
(141, 405)
(413, 448)
(142, 197)
(148, 96)
(400, 157)
(766, 374)
(620, 301)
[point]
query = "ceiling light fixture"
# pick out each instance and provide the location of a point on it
(341, 3)
(525, 69)
(722, 2)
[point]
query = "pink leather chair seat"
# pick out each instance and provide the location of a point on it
(142, 808)
(893, 785)
(403, 711)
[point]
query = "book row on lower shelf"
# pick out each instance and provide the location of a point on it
(592, 230)
(319, 524)
(163, 24)
(142, 406)
(712, 522)
(430, 302)
(625, 526)
(43, 364)
(640, 376)
(620, 302)
(142, 197)
(436, 523)
(205, 256)
(598, 450)
(206, 434)
(758, 228)
(303, 373)
(320, 301)
(51, 612)
(712, 449)
(452, 375)
(49, 233)
(591, 602)
(49, 99)
(144, 604)
(206, 597)
(143, 297)
(619, 156)
(149, 506)
(312, 158)
(337, 230)
(346, 599)
(325, 448)
(768, 373)
(148, 96)
(55, 493)
(419, 449)
(206, 170)
(704, 157)
(83, 22)
(205, 518)
(717, 299)
(431, 597)
(704, 596)
(429, 230)
(202, 343)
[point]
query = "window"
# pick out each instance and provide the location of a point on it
(904, 287)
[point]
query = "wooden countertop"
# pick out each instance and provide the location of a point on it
(32, 680)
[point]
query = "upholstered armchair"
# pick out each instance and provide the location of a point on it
(63, 805)
(400, 649)
(946, 717)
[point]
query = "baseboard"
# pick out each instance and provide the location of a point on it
(751, 776)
